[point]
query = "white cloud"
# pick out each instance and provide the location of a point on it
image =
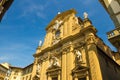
(2, 58)
(33, 9)
(7, 58)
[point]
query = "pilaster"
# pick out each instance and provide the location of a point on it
(70, 62)
(49, 78)
(64, 66)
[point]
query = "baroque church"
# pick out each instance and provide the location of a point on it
(72, 51)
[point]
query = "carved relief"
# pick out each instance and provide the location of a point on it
(44, 56)
(53, 62)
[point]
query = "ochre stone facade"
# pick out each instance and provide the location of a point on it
(72, 51)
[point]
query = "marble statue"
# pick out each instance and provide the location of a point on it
(57, 24)
(85, 14)
(78, 56)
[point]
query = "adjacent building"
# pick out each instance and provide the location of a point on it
(16, 73)
(27, 72)
(113, 9)
(72, 51)
(3, 71)
(7, 65)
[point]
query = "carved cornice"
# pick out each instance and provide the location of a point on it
(54, 71)
(89, 28)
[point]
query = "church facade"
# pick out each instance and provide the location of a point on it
(72, 51)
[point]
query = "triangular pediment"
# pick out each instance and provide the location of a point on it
(53, 68)
(79, 68)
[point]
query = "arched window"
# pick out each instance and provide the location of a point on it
(57, 34)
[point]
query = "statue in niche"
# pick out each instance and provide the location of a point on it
(53, 62)
(57, 24)
(38, 70)
(85, 14)
(78, 58)
(38, 67)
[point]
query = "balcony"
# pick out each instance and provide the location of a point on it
(113, 33)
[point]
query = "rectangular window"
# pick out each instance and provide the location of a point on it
(82, 78)
(55, 78)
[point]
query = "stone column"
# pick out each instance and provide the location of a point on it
(59, 77)
(65, 29)
(64, 66)
(34, 67)
(49, 78)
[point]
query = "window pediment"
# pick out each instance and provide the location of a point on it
(80, 71)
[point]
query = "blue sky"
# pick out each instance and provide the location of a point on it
(24, 25)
